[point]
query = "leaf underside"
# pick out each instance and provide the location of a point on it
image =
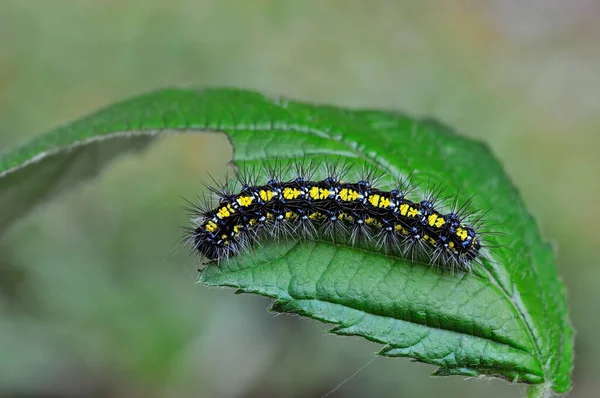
(507, 319)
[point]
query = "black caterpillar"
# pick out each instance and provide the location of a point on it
(300, 207)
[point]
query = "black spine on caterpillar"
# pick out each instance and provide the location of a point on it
(354, 211)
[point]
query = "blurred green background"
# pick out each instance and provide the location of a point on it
(97, 298)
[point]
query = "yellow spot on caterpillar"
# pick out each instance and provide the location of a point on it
(451, 245)
(344, 194)
(428, 239)
(266, 195)
(210, 226)
(453, 250)
(401, 229)
(237, 228)
(384, 203)
(245, 201)
(374, 199)
(432, 219)
(291, 193)
(319, 193)
(435, 220)
(290, 215)
(223, 212)
(252, 221)
(344, 216)
(440, 222)
(230, 208)
(403, 209)
(314, 192)
(348, 195)
(269, 216)
(315, 216)
(462, 233)
(372, 221)
(223, 236)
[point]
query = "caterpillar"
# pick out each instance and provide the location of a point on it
(295, 205)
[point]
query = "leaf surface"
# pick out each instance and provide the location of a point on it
(508, 318)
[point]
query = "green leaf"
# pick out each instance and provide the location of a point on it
(508, 318)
